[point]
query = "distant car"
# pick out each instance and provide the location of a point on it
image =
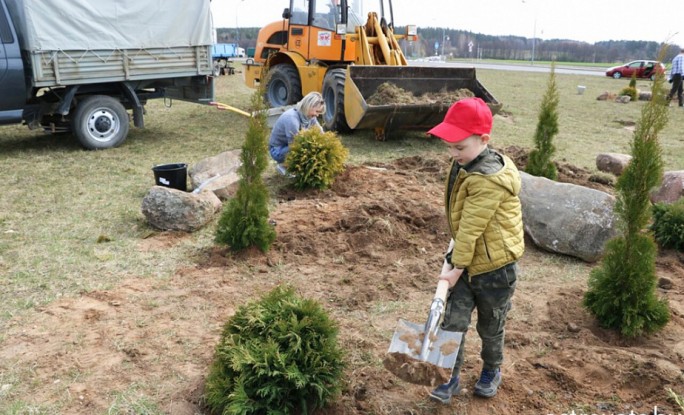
(643, 69)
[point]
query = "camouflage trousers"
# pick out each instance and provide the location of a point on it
(491, 294)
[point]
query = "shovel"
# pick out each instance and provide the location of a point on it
(272, 114)
(424, 354)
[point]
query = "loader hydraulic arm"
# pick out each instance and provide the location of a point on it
(377, 45)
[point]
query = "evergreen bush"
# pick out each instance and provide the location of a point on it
(539, 162)
(244, 221)
(632, 80)
(622, 290)
(631, 92)
(668, 224)
(278, 355)
(315, 158)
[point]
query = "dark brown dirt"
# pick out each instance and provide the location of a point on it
(369, 249)
(415, 371)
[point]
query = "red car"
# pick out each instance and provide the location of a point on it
(643, 69)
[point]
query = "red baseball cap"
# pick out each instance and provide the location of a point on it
(464, 118)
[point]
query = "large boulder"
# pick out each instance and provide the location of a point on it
(169, 209)
(671, 189)
(217, 173)
(567, 218)
(614, 163)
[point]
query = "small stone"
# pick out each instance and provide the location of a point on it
(665, 283)
(574, 328)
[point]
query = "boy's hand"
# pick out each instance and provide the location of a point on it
(451, 275)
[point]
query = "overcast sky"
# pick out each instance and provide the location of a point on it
(585, 20)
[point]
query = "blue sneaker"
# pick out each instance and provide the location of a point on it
(488, 384)
(444, 392)
(283, 171)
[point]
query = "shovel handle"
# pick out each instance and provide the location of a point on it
(221, 106)
(442, 289)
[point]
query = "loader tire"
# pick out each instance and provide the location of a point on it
(284, 86)
(333, 94)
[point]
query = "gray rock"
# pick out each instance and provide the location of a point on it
(605, 96)
(174, 210)
(567, 218)
(614, 163)
(671, 189)
(217, 173)
(574, 328)
(645, 95)
(665, 283)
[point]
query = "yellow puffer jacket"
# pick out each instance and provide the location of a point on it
(484, 214)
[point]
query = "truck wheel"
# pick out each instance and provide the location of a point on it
(100, 122)
(333, 94)
(284, 86)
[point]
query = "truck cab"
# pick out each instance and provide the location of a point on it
(12, 79)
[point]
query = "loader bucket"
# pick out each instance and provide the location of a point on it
(420, 113)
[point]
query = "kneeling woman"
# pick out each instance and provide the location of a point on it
(303, 116)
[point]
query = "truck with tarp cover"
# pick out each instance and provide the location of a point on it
(80, 66)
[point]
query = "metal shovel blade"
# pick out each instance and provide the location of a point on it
(408, 339)
(432, 366)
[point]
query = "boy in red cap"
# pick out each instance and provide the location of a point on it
(485, 222)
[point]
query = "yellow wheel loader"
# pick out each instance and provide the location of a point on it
(324, 46)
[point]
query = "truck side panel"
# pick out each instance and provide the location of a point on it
(97, 66)
(69, 42)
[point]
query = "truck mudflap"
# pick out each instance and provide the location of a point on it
(423, 113)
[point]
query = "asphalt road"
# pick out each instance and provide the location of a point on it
(544, 68)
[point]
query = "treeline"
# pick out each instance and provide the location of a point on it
(463, 44)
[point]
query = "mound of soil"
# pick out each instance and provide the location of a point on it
(369, 249)
(388, 93)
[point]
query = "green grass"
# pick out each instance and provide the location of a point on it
(70, 219)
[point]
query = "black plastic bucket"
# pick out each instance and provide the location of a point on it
(173, 175)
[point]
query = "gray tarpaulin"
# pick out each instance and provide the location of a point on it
(111, 24)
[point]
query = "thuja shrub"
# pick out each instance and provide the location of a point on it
(315, 158)
(539, 162)
(277, 355)
(668, 224)
(622, 291)
(244, 221)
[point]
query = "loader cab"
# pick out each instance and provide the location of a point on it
(317, 29)
(324, 14)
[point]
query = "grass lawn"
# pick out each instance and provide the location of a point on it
(70, 219)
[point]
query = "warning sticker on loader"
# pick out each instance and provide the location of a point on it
(324, 38)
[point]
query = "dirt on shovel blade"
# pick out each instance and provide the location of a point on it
(415, 371)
